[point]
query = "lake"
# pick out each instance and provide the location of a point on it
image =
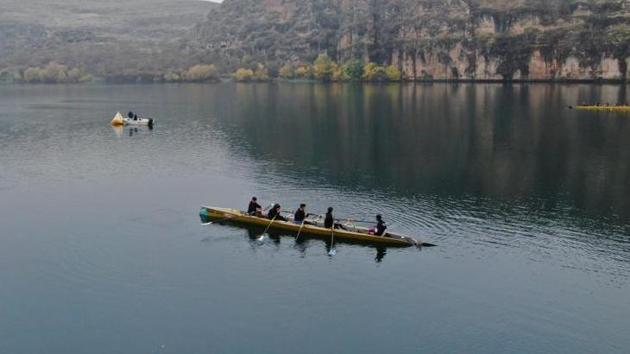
(102, 249)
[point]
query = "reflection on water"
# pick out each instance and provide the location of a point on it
(259, 236)
(131, 131)
(503, 142)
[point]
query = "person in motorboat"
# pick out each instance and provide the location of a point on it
(274, 213)
(329, 220)
(379, 229)
(254, 208)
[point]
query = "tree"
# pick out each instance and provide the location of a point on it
(303, 72)
(7, 77)
(323, 68)
(201, 73)
(340, 74)
(261, 73)
(353, 69)
(287, 72)
(54, 73)
(172, 76)
(76, 75)
(32, 75)
(392, 73)
(244, 75)
(374, 72)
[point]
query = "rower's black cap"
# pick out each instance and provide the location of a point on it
(302, 205)
(254, 198)
(378, 217)
(330, 209)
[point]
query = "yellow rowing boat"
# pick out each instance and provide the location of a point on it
(351, 232)
(605, 108)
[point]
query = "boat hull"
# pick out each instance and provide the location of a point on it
(139, 121)
(237, 216)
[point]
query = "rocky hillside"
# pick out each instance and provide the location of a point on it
(429, 39)
(106, 38)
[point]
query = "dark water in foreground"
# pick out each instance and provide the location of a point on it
(101, 250)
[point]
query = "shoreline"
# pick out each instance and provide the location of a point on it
(308, 81)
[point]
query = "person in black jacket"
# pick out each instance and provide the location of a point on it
(254, 208)
(300, 214)
(380, 226)
(274, 213)
(329, 220)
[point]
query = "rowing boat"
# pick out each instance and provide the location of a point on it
(314, 228)
(605, 108)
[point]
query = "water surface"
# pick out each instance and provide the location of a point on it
(101, 249)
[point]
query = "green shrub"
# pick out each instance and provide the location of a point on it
(200, 73)
(172, 76)
(303, 72)
(261, 73)
(393, 73)
(323, 68)
(244, 75)
(7, 77)
(340, 75)
(287, 72)
(374, 72)
(54, 73)
(32, 75)
(353, 69)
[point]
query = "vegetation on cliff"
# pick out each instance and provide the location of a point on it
(424, 39)
(117, 40)
(325, 40)
(322, 69)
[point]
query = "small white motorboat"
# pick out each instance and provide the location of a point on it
(133, 119)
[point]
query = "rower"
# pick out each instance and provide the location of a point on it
(300, 214)
(254, 208)
(274, 213)
(379, 229)
(329, 220)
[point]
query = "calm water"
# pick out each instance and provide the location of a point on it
(102, 251)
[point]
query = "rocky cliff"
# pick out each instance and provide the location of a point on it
(430, 39)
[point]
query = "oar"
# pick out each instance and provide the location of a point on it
(355, 220)
(332, 251)
(350, 219)
(300, 230)
(262, 237)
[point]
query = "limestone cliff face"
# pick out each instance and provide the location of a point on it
(431, 39)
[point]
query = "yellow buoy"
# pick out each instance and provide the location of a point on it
(118, 120)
